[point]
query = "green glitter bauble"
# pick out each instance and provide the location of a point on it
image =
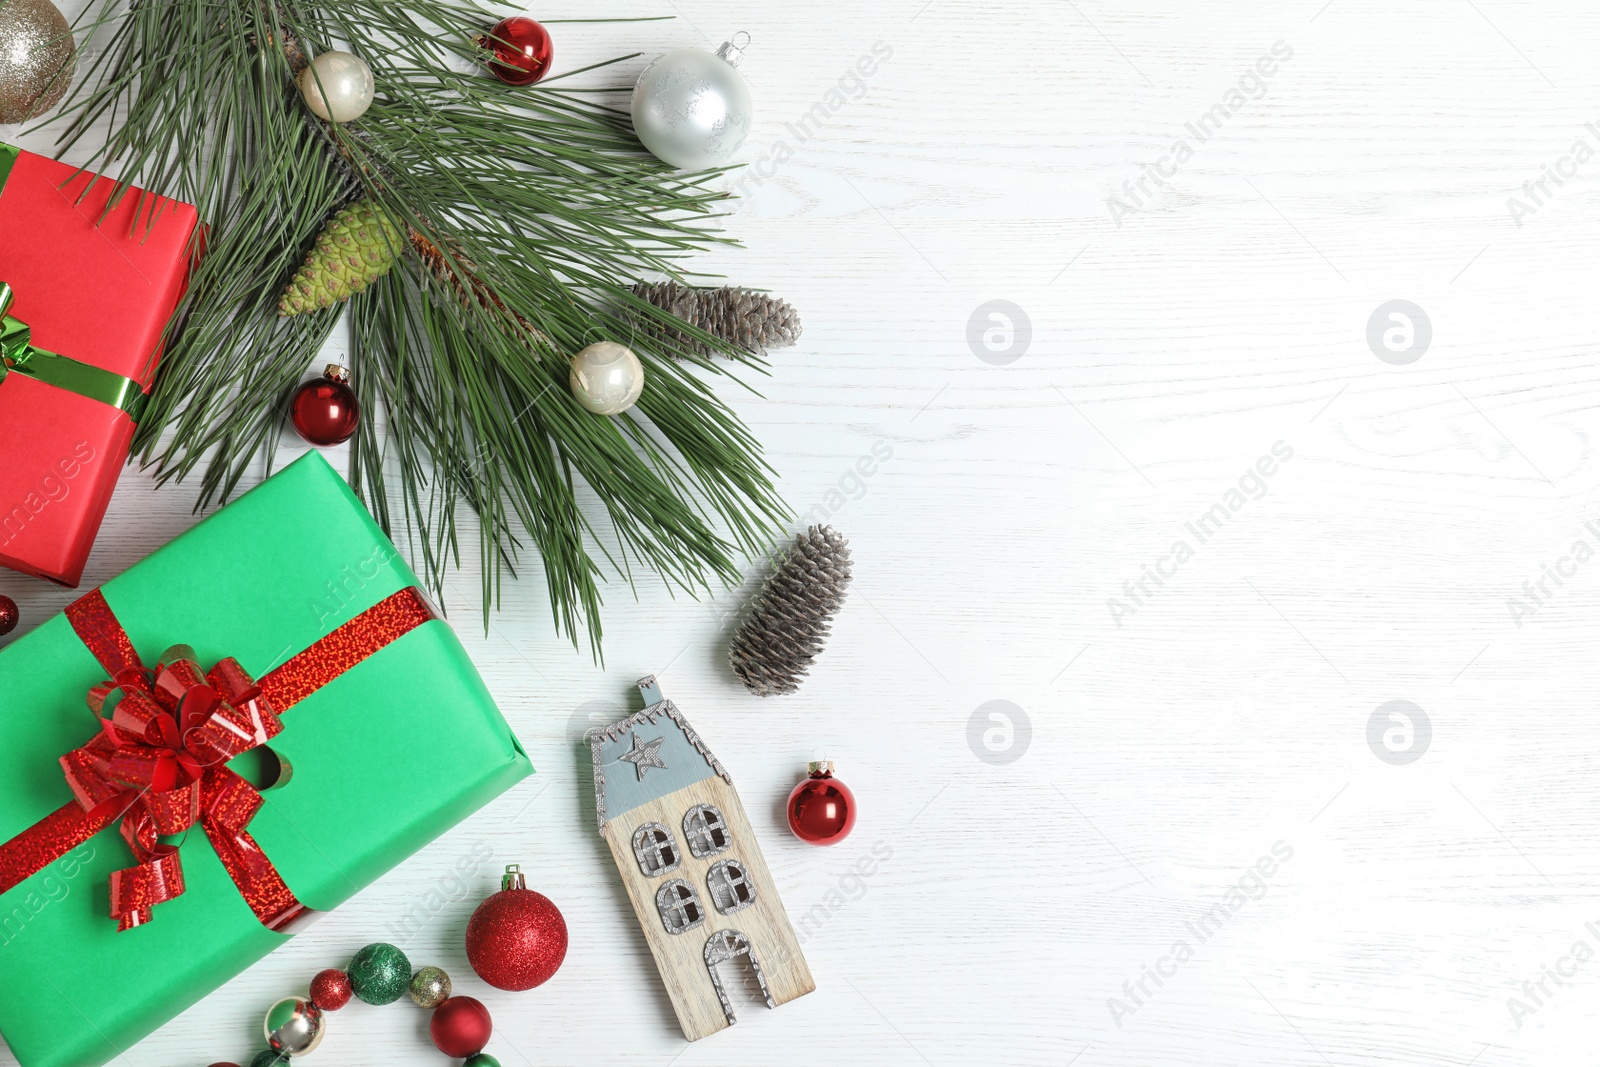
(379, 974)
(482, 1059)
(268, 1058)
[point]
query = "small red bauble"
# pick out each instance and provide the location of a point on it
(520, 50)
(9, 615)
(330, 989)
(324, 410)
(822, 810)
(517, 938)
(461, 1027)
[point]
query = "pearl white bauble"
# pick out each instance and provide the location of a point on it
(691, 108)
(607, 378)
(337, 86)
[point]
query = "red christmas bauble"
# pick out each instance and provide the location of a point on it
(520, 50)
(330, 989)
(324, 410)
(822, 810)
(461, 1027)
(9, 615)
(517, 938)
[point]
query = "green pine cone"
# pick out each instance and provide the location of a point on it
(355, 248)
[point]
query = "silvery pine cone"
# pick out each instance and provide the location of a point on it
(354, 249)
(753, 322)
(787, 628)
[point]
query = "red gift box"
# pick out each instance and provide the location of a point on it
(96, 288)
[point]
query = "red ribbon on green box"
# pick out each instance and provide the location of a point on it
(159, 761)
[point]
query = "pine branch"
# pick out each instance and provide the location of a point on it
(464, 278)
(527, 214)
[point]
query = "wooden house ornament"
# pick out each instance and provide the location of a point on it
(691, 865)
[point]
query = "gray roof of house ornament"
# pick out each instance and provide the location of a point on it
(674, 757)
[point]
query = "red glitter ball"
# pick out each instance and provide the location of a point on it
(330, 989)
(8, 614)
(822, 810)
(521, 51)
(224, 1065)
(516, 939)
(460, 1027)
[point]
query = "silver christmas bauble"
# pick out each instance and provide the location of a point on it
(607, 378)
(293, 1026)
(430, 987)
(37, 58)
(337, 86)
(692, 108)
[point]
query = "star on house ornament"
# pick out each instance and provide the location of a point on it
(646, 755)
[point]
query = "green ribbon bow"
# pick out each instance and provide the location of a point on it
(18, 355)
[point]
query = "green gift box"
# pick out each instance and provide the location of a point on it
(387, 738)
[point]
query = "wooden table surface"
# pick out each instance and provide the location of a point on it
(1142, 562)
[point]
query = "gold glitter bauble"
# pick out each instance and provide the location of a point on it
(430, 987)
(37, 58)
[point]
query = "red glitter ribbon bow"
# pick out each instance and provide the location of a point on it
(159, 760)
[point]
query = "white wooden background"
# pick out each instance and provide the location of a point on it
(1229, 713)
